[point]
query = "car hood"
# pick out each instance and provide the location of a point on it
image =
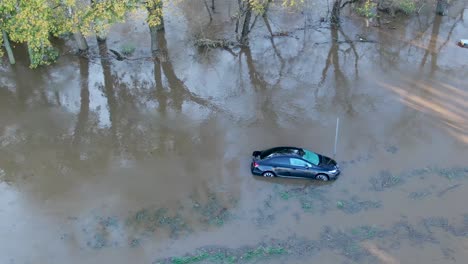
(327, 163)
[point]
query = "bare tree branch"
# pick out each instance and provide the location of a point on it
(348, 2)
(208, 9)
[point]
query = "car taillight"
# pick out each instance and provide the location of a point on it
(255, 164)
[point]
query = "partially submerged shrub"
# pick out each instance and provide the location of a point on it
(367, 9)
(394, 6)
(127, 49)
(407, 6)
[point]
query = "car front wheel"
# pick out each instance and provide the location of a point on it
(268, 174)
(321, 177)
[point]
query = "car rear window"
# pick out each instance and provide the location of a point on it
(311, 157)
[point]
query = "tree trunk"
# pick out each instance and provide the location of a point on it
(154, 34)
(246, 26)
(6, 42)
(80, 41)
(335, 15)
(84, 106)
(441, 8)
(31, 55)
(208, 10)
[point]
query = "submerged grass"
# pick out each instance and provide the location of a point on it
(311, 198)
(387, 180)
(220, 255)
(355, 205)
(213, 212)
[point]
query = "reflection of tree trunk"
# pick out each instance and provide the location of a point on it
(260, 85)
(246, 25)
(160, 92)
(208, 10)
(6, 43)
(282, 62)
(441, 8)
(433, 43)
(431, 48)
(108, 86)
(255, 78)
(23, 89)
(175, 84)
(179, 91)
(341, 83)
(84, 106)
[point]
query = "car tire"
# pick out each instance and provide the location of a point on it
(321, 177)
(268, 174)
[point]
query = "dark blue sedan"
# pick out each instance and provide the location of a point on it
(293, 162)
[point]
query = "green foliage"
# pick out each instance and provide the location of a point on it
(249, 255)
(33, 22)
(7, 8)
(127, 49)
(259, 6)
(155, 12)
(43, 56)
(407, 6)
(367, 9)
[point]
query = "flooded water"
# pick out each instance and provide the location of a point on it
(143, 161)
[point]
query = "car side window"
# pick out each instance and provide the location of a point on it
(298, 162)
(280, 161)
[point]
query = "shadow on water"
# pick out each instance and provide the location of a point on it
(446, 103)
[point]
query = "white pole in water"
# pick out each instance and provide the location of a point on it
(336, 135)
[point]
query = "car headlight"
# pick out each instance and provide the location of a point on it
(334, 171)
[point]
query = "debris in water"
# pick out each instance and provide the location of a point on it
(463, 43)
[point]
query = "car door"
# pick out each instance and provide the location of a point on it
(301, 168)
(280, 166)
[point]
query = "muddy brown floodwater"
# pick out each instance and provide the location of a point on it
(142, 161)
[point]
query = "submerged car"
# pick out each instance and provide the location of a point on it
(293, 162)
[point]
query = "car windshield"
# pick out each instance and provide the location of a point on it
(311, 157)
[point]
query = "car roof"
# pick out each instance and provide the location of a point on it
(283, 150)
(288, 151)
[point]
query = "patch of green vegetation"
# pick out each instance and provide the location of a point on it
(190, 259)
(307, 205)
(385, 180)
(213, 212)
(262, 252)
(419, 195)
(367, 9)
(227, 256)
(146, 221)
(407, 6)
(127, 49)
(354, 205)
(311, 198)
(364, 232)
(285, 195)
(340, 204)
